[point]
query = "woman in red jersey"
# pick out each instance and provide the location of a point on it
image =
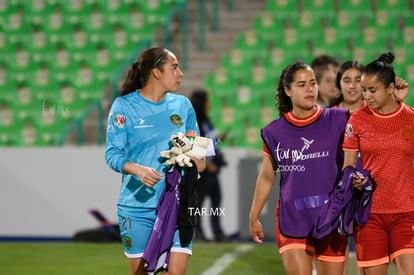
(348, 83)
(383, 133)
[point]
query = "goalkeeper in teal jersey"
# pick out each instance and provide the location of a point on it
(140, 124)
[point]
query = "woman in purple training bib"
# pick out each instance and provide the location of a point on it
(304, 145)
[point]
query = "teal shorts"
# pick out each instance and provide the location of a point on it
(136, 225)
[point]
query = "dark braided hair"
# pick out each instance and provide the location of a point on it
(284, 103)
(140, 70)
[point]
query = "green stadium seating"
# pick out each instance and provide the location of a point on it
(333, 44)
(309, 27)
(385, 26)
(355, 9)
(348, 30)
(408, 29)
(10, 133)
(4, 40)
(318, 8)
(237, 64)
(392, 7)
(80, 42)
(75, 10)
(155, 10)
(283, 8)
(252, 45)
(263, 79)
(344, 30)
(269, 27)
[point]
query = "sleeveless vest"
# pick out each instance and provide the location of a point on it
(309, 159)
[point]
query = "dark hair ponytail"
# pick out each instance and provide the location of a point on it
(132, 81)
(140, 70)
(284, 102)
(382, 68)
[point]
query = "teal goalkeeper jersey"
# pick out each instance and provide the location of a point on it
(138, 130)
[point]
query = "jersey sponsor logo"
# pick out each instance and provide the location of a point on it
(349, 130)
(119, 120)
(176, 120)
(296, 155)
(141, 124)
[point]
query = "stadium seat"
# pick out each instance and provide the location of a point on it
(4, 40)
(119, 42)
(264, 78)
(13, 18)
(269, 27)
(294, 40)
(8, 82)
(114, 8)
(355, 8)
(20, 62)
(344, 29)
(319, 9)
(283, 8)
(392, 7)
(75, 10)
(10, 133)
(287, 52)
(408, 29)
(78, 41)
(96, 20)
(7, 116)
(36, 11)
(220, 81)
(156, 10)
(25, 103)
(308, 27)
(385, 25)
(247, 130)
(251, 44)
(237, 64)
(333, 44)
(366, 53)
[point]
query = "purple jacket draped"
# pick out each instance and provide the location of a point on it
(346, 205)
(156, 254)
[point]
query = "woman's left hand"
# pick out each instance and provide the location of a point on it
(401, 89)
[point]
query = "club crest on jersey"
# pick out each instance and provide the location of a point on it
(176, 120)
(349, 131)
(406, 134)
(119, 120)
(128, 242)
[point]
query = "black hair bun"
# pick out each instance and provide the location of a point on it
(386, 57)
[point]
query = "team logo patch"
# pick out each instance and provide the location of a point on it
(119, 120)
(349, 131)
(407, 134)
(176, 120)
(128, 242)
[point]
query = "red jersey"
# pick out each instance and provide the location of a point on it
(386, 144)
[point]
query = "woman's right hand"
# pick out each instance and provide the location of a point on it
(256, 231)
(148, 176)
